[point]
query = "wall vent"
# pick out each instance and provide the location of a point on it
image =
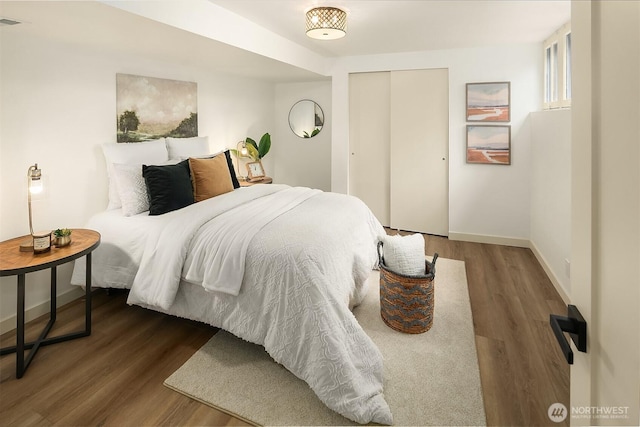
(6, 21)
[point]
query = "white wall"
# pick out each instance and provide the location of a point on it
(485, 201)
(302, 161)
(551, 193)
(58, 107)
(606, 209)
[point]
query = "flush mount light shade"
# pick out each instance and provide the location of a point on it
(326, 23)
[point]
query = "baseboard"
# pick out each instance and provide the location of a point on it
(520, 243)
(38, 310)
(554, 279)
(494, 240)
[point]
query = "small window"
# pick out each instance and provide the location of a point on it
(567, 67)
(554, 73)
(547, 75)
(557, 69)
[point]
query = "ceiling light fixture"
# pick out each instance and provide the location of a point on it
(326, 23)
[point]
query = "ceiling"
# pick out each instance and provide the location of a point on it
(96, 27)
(379, 26)
(374, 27)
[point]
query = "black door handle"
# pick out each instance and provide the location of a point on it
(575, 324)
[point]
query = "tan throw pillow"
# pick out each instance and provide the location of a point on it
(210, 177)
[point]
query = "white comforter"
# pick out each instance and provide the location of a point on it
(216, 259)
(304, 267)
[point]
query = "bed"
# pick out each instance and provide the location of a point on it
(275, 265)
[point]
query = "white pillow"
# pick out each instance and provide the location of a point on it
(404, 254)
(131, 188)
(148, 152)
(188, 147)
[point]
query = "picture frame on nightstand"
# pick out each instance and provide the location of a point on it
(255, 170)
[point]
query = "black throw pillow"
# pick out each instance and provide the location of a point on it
(232, 170)
(169, 187)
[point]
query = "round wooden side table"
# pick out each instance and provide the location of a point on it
(16, 263)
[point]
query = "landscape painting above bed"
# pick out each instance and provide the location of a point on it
(148, 108)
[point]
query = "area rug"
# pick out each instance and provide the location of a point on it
(430, 378)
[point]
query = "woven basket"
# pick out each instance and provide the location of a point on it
(406, 302)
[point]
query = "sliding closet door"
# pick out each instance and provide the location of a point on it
(419, 151)
(369, 141)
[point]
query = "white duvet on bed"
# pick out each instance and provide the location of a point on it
(208, 252)
(303, 269)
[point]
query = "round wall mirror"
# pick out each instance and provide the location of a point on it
(306, 118)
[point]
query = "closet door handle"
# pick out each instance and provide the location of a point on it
(575, 324)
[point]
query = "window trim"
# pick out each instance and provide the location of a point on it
(555, 69)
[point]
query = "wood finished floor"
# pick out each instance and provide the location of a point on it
(114, 377)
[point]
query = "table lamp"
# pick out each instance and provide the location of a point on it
(40, 242)
(241, 149)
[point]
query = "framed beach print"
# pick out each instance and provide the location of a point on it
(489, 102)
(489, 144)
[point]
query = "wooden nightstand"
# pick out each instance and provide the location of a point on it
(265, 180)
(16, 263)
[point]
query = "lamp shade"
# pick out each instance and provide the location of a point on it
(39, 242)
(241, 151)
(326, 23)
(35, 179)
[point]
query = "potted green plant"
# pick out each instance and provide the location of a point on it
(259, 150)
(63, 236)
(256, 151)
